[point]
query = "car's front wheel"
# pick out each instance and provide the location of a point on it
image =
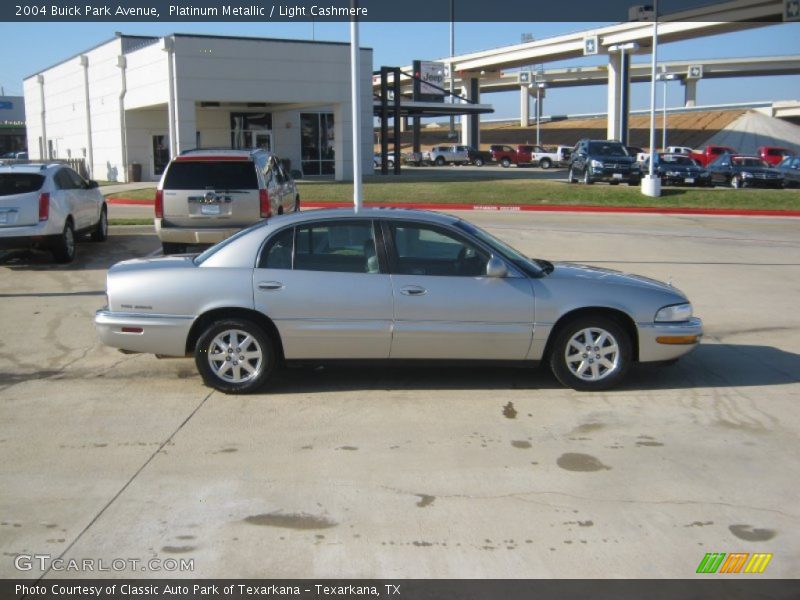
(234, 356)
(505, 163)
(545, 163)
(591, 353)
(478, 162)
(64, 247)
(297, 203)
(439, 162)
(571, 176)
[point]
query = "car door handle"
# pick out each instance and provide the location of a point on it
(270, 286)
(413, 290)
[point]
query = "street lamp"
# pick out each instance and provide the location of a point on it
(651, 183)
(665, 77)
(623, 78)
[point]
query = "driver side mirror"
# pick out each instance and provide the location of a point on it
(496, 267)
(93, 184)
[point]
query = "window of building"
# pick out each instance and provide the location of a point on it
(317, 143)
(251, 130)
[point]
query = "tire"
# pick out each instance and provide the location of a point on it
(505, 163)
(545, 163)
(736, 183)
(439, 162)
(172, 248)
(571, 177)
(587, 179)
(613, 183)
(230, 373)
(572, 366)
(297, 203)
(100, 233)
(64, 248)
(280, 210)
(478, 162)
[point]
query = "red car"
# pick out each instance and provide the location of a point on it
(774, 154)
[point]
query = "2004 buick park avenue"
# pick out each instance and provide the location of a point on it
(388, 284)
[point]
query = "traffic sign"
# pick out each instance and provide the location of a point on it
(524, 77)
(791, 10)
(590, 45)
(695, 72)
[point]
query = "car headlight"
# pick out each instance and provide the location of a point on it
(746, 174)
(596, 164)
(673, 173)
(674, 313)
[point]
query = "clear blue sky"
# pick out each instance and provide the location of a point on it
(26, 48)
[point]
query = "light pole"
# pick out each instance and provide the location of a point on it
(665, 77)
(623, 80)
(651, 183)
(452, 134)
(355, 101)
(540, 88)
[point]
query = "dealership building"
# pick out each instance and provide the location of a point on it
(129, 104)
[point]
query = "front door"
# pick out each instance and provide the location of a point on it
(444, 304)
(322, 285)
(160, 154)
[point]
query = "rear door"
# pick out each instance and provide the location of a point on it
(86, 200)
(325, 288)
(19, 198)
(211, 192)
(445, 307)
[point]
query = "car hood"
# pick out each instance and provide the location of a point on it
(681, 168)
(161, 262)
(610, 276)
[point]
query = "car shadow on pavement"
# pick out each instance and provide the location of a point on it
(90, 255)
(709, 366)
(720, 366)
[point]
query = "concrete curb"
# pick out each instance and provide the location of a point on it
(535, 208)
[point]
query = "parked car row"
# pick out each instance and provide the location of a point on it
(613, 162)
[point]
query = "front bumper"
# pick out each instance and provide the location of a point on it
(135, 332)
(668, 341)
(611, 175)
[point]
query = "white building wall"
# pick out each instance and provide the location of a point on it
(65, 110)
(290, 77)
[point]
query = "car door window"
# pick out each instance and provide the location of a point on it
(421, 249)
(277, 253)
(63, 180)
(345, 247)
(78, 182)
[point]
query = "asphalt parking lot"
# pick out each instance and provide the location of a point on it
(474, 473)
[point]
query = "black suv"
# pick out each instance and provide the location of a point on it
(603, 160)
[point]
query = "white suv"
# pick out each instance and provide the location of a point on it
(48, 206)
(208, 195)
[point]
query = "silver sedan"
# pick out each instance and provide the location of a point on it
(394, 285)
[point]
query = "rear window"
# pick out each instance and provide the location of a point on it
(20, 183)
(201, 175)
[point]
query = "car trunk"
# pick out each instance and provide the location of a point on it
(19, 199)
(211, 193)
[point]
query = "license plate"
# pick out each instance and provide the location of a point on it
(617, 175)
(689, 180)
(209, 209)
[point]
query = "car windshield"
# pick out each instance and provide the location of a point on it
(530, 266)
(211, 175)
(20, 183)
(607, 149)
(744, 161)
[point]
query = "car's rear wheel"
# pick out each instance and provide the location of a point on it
(234, 356)
(591, 353)
(478, 162)
(64, 247)
(100, 233)
(545, 163)
(505, 163)
(172, 248)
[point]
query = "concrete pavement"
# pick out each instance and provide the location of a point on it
(416, 473)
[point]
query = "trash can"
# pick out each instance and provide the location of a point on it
(134, 172)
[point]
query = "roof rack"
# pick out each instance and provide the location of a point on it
(218, 149)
